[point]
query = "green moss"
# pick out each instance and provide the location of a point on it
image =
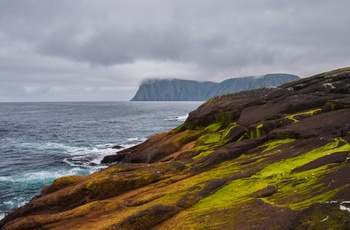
(295, 190)
(287, 165)
(228, 130)
(311, 199)
(308, 113)
(256, 132)
(190, 135)
(203, 154)
(225, 139)
(213, 127)
(208, 139)
(302, 189)
(206, 144)
(276, 143)
(235, 192)
(225, 117)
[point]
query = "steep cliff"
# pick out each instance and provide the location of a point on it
(187, 90)
(270, 158)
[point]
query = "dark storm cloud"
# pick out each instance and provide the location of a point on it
(53, 47)
(214, 34)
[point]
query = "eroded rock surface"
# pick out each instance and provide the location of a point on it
(272, 158)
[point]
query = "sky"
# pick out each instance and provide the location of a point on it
(101, 50)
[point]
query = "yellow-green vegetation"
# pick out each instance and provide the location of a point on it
(206, 144)
(306, 113)
(185, 137)
(233, 193)
(208, 139)
(279, 174)
(226, 132)
(256, 132)
(213, 127)
(281, 168)
(300, 190)
(228, 129)
(185, 197)
(295, 191)
(61, 183)
(275, 143)
(224, 117)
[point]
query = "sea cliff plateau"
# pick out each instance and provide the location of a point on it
(269, 158)
(188, 90)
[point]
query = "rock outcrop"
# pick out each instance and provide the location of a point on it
(187, 90)
(271, 158)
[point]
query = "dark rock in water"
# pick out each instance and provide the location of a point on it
(113, 158)
(117, 147)
(187, 90)
(269, 158)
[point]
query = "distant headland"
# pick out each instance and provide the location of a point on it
(188, 90)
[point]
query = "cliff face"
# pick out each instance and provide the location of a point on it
(271, 158)
(173, 90)
(186, 90)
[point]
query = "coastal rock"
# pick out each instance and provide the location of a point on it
(117, 147)
(270, 158)
(112, 158)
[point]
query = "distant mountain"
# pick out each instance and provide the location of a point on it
(188, 90)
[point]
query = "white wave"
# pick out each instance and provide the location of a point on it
(90, 166)
(178, 118)
(82, 159)
(89, 158)
(132, 139)
(40, 176)
(182, 118)
(16, 202)
(48, 147)
(104, 146)
(136, 139)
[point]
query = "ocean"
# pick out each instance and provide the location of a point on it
(40, 142)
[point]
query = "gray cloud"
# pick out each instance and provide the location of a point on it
(101, 50)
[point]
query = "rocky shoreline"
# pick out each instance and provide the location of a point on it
(270, 158)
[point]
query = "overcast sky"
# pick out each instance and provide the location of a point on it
(100, 50)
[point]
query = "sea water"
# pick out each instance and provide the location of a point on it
(40, 142)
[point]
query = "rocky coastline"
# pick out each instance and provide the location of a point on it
(269, 158)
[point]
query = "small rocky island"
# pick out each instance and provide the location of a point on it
(269, 158)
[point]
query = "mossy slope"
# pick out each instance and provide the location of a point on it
(273, 158)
